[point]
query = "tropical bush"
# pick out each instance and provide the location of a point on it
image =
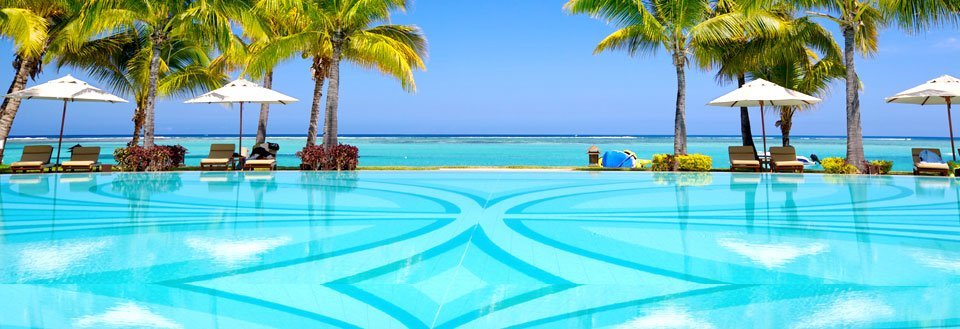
(340, 157)
(157, 158)
(694, 162)
(686, 162)
(662, 162)
(881, 167)
(838, 166)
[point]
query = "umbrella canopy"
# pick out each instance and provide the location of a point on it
(242, 91)
(66, 89)
(944, 90)
(761, 92)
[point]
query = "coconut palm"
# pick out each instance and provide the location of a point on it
(804, 57)
(732, 60)
(332, 31)
(859, 22)
(164, 22)
(256, 53)
(38, 28)
(679, 27)
(123, 61)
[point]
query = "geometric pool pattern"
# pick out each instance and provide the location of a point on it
(452, 249)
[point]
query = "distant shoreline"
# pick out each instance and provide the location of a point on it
(468, 136)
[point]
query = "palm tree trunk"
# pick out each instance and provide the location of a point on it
(137, 125)
(149, 108)
(264, 110)
(854, 131)
(319, 75)
(786, 123)
(680, 122)
(333, 97)
(746, 133)
(10, 106)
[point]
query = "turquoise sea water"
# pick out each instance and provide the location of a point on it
(511, 151)
(466, 249)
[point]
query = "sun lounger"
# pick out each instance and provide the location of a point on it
(269, 164)
(784, 159)
(221, 157)
(921, 167)
(83, 159)
(34, 158)
(743, 157)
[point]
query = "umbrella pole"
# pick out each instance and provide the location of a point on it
(240, 139)
(63, 119)
(763, 128)
(953, 147)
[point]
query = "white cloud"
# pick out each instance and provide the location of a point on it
(126, 315)
(234, 252)
(848, 310)
(666, 318)
(51, 260)
(948, 43)
(772, 255)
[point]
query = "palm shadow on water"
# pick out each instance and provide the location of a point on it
(747, 183)
(322, 189)
(681, 182)
(788, 184)
(261, 183)
(138, 188)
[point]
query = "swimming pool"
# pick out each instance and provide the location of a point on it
(452, 249)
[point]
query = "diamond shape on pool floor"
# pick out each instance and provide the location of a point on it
(451, 284)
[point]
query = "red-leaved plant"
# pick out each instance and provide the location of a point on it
(340, 157)
(157, 158)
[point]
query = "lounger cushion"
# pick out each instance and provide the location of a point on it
(931, 165)
(754, 163)
(215, 161)
(27, 164)
(260, 162)
(78, 163)
(788, 164)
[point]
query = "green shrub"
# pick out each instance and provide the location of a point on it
(694, 162)
(686, 162)
(662, 162)
(882, 167)
(838, 166)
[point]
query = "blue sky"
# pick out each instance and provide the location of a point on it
(526, 67)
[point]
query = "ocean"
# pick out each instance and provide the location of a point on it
(436, 150)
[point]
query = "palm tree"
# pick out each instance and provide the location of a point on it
(732, 61)
(123, 62)
(256, 53)
(677, 26)
(163, 22)
(859, 22)
(37, 28)
(331, 31)
(804, 57)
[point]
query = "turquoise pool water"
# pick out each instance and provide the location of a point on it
(479, 249)
(512, 151)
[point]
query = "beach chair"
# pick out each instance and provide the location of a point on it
(743, 157)
(784, 159)
(921, 167)
(83, 159)
(34, 158)
(221, 157)
(268, 164)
